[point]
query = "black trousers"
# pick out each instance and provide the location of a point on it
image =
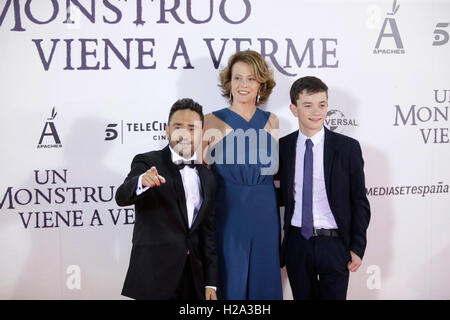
(317, 268)
(186, 286)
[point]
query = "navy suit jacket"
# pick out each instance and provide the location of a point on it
(344, 183)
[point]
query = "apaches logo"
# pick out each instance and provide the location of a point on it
(392, 33)
(50, 132)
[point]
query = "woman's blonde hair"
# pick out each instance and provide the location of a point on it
(260, 69)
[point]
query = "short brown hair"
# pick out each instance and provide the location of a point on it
(309, 84)
(260, 69)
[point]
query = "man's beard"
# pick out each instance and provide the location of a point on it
(185, 150)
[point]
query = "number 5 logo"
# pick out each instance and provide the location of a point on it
(111, 133)
(440, 36)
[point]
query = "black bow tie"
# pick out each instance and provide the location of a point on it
(181, 164)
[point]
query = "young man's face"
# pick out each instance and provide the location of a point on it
(184, 132)
(311, 111)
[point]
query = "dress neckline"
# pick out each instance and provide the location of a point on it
(235, 121)
(237, 114)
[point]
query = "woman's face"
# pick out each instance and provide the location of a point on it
(244, 86)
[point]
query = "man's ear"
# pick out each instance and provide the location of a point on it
(294, 111)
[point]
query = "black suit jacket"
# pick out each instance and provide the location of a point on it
(344, 183)
(161, 236)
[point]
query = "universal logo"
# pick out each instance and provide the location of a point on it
(390, 32)
(49, 137)
(336, 121)
(117, 130)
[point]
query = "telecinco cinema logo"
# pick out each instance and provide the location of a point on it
(389, 35)
(336, 121)
(49, 137)
(117, 131)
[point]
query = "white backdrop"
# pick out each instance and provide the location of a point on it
(71, 119)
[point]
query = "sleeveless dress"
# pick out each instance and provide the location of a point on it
(247, 216)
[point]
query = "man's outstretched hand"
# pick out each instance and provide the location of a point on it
(151, 178)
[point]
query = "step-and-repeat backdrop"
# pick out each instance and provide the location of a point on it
(85, 85)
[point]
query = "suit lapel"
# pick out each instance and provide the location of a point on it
(329, 151)
(202, 175)
(290, 176)
(291, 154)
(177, 184)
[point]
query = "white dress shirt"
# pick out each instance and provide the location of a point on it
(322, 216)
(192, 187)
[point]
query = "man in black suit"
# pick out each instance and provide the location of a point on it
(322, 187)
(174, 251)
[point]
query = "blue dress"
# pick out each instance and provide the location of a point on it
(247, 219)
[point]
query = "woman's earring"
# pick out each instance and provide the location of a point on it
(257, 97)
(231, 96)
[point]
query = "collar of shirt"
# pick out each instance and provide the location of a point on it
(316, 139)
(176, 157)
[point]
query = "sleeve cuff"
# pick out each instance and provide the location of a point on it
(140, 189)
(215, 288)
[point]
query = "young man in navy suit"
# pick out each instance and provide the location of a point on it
(323, 190)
